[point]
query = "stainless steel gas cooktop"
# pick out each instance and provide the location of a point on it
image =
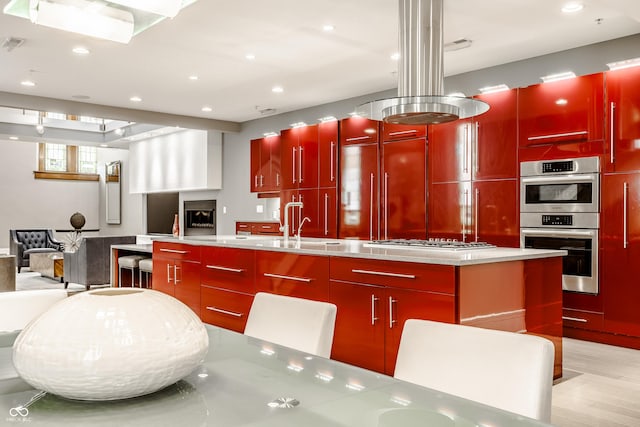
(448, 244)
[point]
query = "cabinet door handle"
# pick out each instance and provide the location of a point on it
(277, 180)
(232, 270)
(219, 310)
(331, 161)
(175, 274)
(174, 251)
(612, 110)
(386, 205)
(476, 210)
(383, 273)
(357, 138)
(371, 208)
(476, 154)
(280, 276)
(261, 180)
(293, 168)
(575, 319)
(403, 132)
(391, 319)
(625, 195)
(465, 211)
(465, 153)
(373, 309)
(557, 135)
(300, 173)
(255, 181)
(326, 214)
(169, 274)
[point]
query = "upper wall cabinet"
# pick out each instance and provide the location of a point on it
(328, 154)
(359, 130)
(181, 161)
(562, 112)
(450, 151)
(299, 157)
(265, 164)
(623, 120)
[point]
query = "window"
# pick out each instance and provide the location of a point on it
(55, 158)
(87, 159)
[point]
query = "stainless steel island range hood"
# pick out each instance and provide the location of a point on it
(421, 97)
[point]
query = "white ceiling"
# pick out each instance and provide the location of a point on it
(211, 37)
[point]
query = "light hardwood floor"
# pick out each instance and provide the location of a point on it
(600, 386)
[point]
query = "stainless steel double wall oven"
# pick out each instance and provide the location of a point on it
(560, 209)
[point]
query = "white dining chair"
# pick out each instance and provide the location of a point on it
(298, 323)
(507, 370)
(18, 308)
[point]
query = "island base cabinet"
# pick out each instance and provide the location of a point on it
(176, 271)
(224, 308)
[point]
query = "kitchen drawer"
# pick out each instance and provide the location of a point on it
(266, 228)
(303, 276)
(243, 227)
(177, 251)
(581, 319)
(391, 132)
(228, 268)
(226, 309)
(425, 277)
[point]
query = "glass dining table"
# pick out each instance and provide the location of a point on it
(248, 382)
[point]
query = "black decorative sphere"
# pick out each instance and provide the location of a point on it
(77, 220)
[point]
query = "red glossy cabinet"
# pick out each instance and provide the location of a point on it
(286, 273)
(495, 137)
(450, 210)
(265, 164)
(620, 242)
(328, 154)
(404, 189)
(450, 151)
(358, 130)
(176, 271)
(359, 197)
(563, 111)
(622, 152)
(299, 157)
(375, 298)
(328, 215)
(495, 212)
(392, 132)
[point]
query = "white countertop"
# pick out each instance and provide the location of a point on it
(356, 249)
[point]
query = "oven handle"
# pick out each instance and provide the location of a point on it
(558, 233)
(569, 179)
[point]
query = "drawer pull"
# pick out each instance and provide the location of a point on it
(357, 138)
(278, 276)
(174, 251)
(402, 132)
(575, 319)
(219, 310)
(267, 226)
(218, 267)
(534, 138)
(384, 273)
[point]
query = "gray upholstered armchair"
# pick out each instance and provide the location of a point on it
(90, 264)
(23, 243)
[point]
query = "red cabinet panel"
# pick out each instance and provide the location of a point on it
(328, 153)
(392, 132)
(358, 130)
(176, 271)
(450, 151)
(265, 164)
(328, 227)
(569, 110)
(450, 210)
(224, 308)
(496, 216)
(404, 189)
(283, 273)
(359, 199)
(187, 284)
(496, 137)
(620, 242)
(623, 120)
(228, 268)
(299, 157)
(258, 227)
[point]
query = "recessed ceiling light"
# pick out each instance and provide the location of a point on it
(269, 134)
(80, 50)
(298, 124)
(104, 145)
(207, 109)
(572, 7)
(328, 27)
(277, 89)
(492, 89)
(13, 138)
(135, 99)
(28, 83)
(193, 77)
(326, 119)
(250, 56)
(627, 63)
(558, 76)
(395, 56)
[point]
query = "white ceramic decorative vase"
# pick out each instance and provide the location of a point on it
(109, 344)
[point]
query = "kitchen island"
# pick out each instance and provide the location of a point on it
(375, 288)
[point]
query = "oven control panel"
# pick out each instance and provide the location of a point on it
(555, 167)
(566, 220)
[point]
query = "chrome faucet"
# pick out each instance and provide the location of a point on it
(285, 228)
(297, 236)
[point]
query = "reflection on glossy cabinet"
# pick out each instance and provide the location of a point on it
(496, 213)
(564, 111)
(450, 151)
(265, 164)
(623, 124)
(620, 240)
(299, 157)
(450, 210)
(302, 276)
(359, 198)
(404, 189)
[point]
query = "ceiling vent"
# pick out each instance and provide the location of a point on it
(11, 43)
(421, 73)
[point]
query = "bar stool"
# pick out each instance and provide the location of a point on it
(145, 266)
(129, 262)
